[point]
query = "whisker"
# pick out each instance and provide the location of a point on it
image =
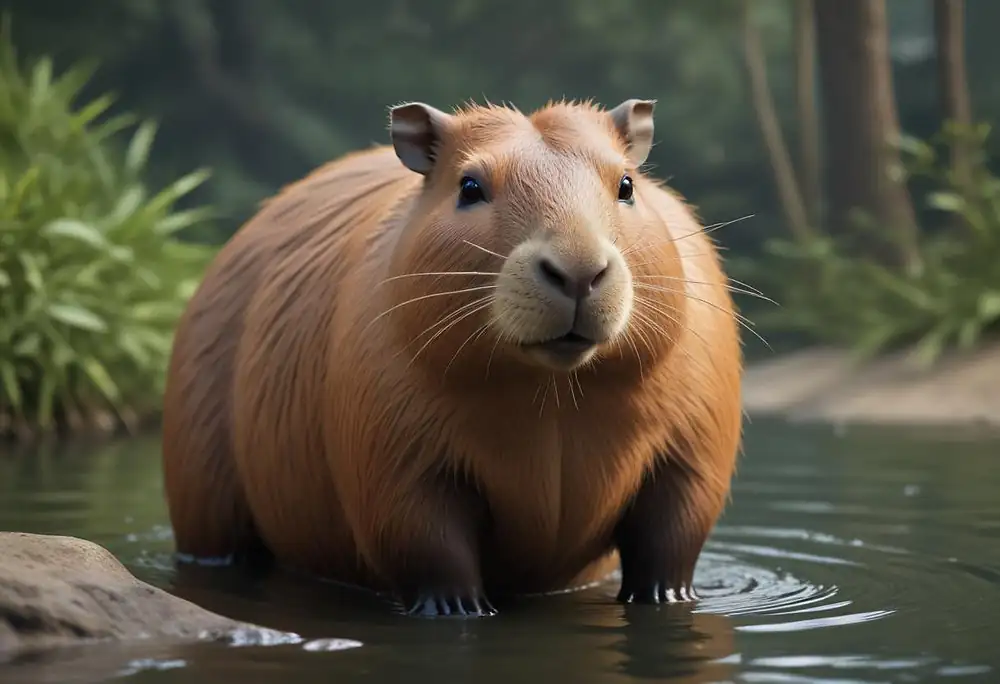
(576, 376)
(451, 315)
(740, 318)
(688, 295)
(716, 226)
(439, 273)
(751, 291)
(488, 251)
(492, 351)
(476, 334)
(646, 320)
(751, 288)
(555, 390)
(638, 356)
(648, 303)
(618, 346)
(572, 392)
(545, 394)
(448, 327)
(642, 336)
(705, 230)
(662, 258)
(428, 296)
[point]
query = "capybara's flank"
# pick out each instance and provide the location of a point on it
(493, 357)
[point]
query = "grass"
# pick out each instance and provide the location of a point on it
(93, 275)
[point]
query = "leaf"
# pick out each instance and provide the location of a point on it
(182, 186)
(92, 110)
(187, 288)
(138, 149)
(76, 230)
(132, 346)
(41, 79)
(875, 340)
(29, 347)
(46, 398)
(10, 385)
(76, 317)
(111, 126)
(946, 201)
(183, 219)
(32, 273)
(914, 146)
(127, 205)
(98, 375)
(969, 334)
(73, 80)
(930, 347)
(155, 311)
(988, 307)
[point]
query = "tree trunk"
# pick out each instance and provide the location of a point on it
(770, 127)
(807, 114)
(861, 125)
(949, 31)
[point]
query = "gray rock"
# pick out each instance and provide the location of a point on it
(57, 590)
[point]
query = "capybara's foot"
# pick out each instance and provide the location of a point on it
(651, 590)
(447, 603)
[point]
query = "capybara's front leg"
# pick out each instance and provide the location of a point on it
(661, 533)
(429, 551)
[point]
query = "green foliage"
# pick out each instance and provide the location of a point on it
(264, 90)
(834, 294)
(92, 275)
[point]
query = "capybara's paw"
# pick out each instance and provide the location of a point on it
(652, 591)
(449, 604)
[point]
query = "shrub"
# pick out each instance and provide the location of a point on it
(92, 275)
(834, 295)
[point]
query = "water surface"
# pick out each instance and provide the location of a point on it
(859, 556)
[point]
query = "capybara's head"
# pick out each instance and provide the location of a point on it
(530, 235)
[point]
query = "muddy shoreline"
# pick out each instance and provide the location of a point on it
(828, 385)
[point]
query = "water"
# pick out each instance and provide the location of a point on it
(867, 556)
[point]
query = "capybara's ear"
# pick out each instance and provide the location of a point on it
(416, 129)
(634, 121)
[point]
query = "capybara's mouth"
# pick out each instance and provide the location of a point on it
(570, 344)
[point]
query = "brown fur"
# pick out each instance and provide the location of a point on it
(299, 413)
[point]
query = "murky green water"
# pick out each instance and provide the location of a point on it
(870, 556)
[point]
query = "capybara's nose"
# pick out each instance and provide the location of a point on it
(575, 283)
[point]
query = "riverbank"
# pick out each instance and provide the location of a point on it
(961, 389)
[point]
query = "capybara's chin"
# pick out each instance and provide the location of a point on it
(562, 299)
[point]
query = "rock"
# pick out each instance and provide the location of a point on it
(961, 389)
(57, 590)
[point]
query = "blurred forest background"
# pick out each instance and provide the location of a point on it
(842, 148)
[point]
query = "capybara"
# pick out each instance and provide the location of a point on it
(490, 358)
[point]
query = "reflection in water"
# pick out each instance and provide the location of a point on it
(858, 557)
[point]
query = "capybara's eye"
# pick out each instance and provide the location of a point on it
(625, 189)
(470, 192)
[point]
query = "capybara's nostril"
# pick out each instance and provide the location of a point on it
(553, 276)
(597, 278)
(575, 286)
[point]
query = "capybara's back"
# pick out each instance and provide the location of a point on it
(289, 257)
(490, 358)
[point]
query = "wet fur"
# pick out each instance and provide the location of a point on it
(299, 419)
